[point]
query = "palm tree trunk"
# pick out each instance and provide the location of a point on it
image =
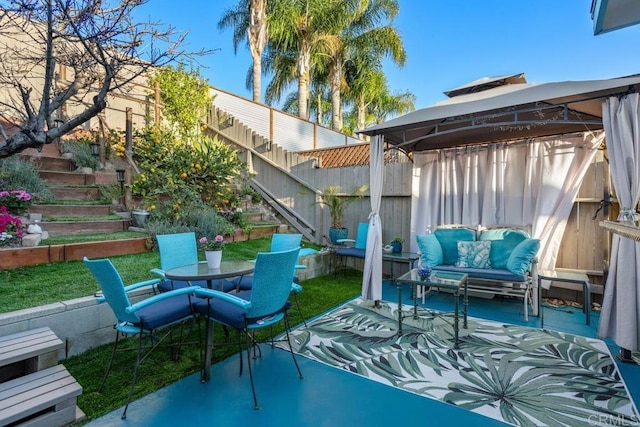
(304, 67)
(257, 36)
(319, 108)
(257, 77)
(361, 116)
(335, 77)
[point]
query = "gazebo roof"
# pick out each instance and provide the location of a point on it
(504, 112)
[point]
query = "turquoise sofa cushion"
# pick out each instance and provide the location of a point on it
(449, 238)
(519, 261)
(430, 250)
(474, 254)
(503, 242)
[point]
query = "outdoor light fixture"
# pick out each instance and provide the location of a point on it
(120, 179)
(95, 151)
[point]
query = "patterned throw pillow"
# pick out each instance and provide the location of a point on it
(474, 254)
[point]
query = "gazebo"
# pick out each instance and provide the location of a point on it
(504, 151)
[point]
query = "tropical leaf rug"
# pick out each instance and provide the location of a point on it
(515, 374)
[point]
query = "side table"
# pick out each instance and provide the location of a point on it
(566, 277)
(402, 257)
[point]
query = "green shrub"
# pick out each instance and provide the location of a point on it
(81, 151)
(173, 170)
(17, 174)
(203, 220)
(207, 222)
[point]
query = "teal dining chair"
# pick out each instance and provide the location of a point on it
(280, 242)
(143, 319)
(262, 306)
(176, 250)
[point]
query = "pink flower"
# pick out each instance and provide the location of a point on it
(212, 245)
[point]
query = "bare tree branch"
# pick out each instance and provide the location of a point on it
(55, 53)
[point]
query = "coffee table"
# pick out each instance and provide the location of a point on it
(441, 280)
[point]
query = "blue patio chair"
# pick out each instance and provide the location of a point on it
(359, 247)
(280, 242)
(264, 305)
(177, 250)
(142, 319)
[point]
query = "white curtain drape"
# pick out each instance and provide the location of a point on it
(529, 183)
(620, 316)
(372, 276)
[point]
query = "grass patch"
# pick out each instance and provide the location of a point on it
(98, 237)
(74, 202)
(76, 218)
(32, 286)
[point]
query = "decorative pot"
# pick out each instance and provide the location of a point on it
(214, 258)
(336, 234)
(139, 217)
(397, 247)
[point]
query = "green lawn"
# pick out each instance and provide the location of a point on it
(32, 286)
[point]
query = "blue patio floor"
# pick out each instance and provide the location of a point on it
(328, 396)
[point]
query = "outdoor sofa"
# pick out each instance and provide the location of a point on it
(499, 260)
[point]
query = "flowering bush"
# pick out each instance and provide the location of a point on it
(11, 228)
(212, 245)
(16, 201)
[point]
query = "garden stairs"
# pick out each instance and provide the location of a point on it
(80, 194)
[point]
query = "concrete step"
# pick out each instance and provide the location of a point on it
(85, 227)
(76, 193)
(71, 210)
(67, 178)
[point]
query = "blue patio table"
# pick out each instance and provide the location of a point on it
(201, 271)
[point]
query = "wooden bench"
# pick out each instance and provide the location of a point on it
(26, 352)
(44, 398)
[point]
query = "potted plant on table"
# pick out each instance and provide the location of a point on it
(212, 250)
(337, 202)
(396, 244)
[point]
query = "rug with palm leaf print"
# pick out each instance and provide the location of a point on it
(515, 374)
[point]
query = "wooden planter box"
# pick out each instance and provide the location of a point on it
(21, 257)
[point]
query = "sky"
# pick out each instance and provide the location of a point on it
(449, 43)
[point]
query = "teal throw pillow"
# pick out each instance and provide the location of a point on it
(448, 238)
(430, 249)
(474, 254)
(520, 260)
(503, 242)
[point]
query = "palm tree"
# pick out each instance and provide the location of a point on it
(303, 27)
(362, 32)
(370, 96)
(249, 19)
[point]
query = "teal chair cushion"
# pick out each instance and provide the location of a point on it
(520, 260)
(430, 250)
(503, 242)
(448, 238)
